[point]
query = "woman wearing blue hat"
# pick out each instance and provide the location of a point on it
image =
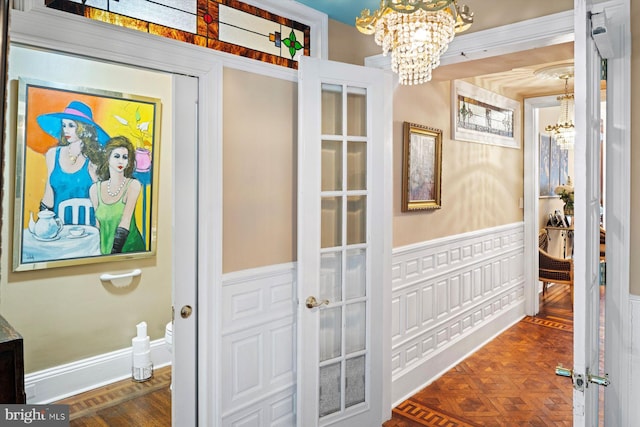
(71, 165)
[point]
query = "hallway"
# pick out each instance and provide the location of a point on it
(509, 381)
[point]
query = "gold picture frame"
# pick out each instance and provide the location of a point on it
(80, 152)
(422, 167)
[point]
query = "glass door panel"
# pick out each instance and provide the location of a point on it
(331, 165)
(356, 278)
(357, 165)
(331, 109)
(331, 276)
(355, 381)
(356, 219)
(356, 111)
(330, 333)
(343, 257)
(355, 327)
(331, 218)
(330, 389)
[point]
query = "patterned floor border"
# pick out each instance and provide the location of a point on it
(564, 326)
(91, 402)
(429, 417)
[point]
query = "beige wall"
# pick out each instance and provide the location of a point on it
(66, 314)
(481, 184)
(634, 272)
(260, 157)
(346, 44)
(494, 13)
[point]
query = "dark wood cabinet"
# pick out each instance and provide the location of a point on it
(11, 365)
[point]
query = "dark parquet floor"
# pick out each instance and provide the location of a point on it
(511, 381)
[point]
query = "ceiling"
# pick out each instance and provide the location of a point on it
(344, 11)
(514, 72)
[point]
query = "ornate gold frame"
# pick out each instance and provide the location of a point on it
(421, 167)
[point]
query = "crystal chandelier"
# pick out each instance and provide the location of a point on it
(564, 130)
(416, 32)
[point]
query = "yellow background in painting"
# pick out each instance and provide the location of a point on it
(106, 113)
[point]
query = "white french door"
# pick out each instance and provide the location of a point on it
(587, 221)
(344, 245)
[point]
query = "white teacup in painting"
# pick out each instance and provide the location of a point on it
(76, 231)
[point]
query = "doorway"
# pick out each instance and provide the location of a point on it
(186, 164)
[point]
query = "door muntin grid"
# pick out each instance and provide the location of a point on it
(344, 258)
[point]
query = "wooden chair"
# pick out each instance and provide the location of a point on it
(552, 269)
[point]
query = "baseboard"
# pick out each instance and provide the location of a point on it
(436, 365)
(59, 382)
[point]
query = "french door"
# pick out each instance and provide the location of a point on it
(344, 244)
(587, 221)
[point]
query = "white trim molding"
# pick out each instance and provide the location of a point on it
(59, 382)
(530, 34)
(451, 296)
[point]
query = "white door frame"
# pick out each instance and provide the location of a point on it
(531, 204)
(91, 39)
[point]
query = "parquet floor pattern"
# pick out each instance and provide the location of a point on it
(124, 403)
(511, 381)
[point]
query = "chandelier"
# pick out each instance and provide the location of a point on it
(563, 130)
(416, 32)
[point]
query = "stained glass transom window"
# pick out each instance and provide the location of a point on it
(224, 25)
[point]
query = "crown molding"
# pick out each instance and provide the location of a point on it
(530, 34)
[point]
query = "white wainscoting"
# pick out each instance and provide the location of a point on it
(258, 372)
(450, 294)
(634, 387)
(449, 297)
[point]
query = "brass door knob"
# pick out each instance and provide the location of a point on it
(186, 311)
(312, 302)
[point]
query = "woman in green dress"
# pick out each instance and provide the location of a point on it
(114, 199)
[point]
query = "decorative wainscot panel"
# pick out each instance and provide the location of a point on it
(452, 294)
(258, 347)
